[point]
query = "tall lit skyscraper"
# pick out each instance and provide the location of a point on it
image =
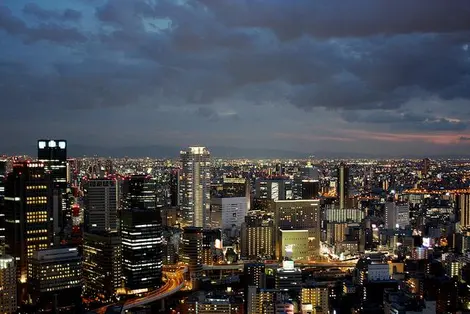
(192, 253)
(343, 185)
(141, 233)
(195, 185)
(101, 205)
(28, 213)
(53, 154)
(3, 171)
(463, 208)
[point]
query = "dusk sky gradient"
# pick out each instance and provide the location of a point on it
(371, 76)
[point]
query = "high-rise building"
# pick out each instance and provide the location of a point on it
(254, 274)
(294, 244)
(343, 185)
(28, 214)
(288, 277)
(141, 233)
(426, 166)
(316, 296)
(257, 237)
(8, 298)
(192, 253)
(101, 205)
(55, 279)
(397, 215)
(228, 212)
(211, 244)
(463, 207)
(3, 172)
(274, 189)
(310, 189)
(298, 215)
(102, 264)
(53, 154)
(195, 185)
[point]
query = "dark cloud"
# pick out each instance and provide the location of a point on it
(43, 14)
(48, 32)
(337, 18)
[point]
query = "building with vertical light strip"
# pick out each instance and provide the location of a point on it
(463, 203)
(3, 172)
(141, 236)
(343, 185)
(195, 185)
(28, 213)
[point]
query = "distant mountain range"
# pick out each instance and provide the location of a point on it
(167, 151)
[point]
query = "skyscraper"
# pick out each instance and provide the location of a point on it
(101, 205)
(8, 299)
(343, 185)
(192, 253)
(28, 213)
(141, 232)
(2, 205)
(53, 154)
(195, 185)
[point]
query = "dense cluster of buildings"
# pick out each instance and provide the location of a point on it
(265, 236)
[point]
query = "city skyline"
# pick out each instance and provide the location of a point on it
(369, 77)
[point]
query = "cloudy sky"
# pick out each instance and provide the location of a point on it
(372, 76)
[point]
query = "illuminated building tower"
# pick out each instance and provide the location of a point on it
(141, 235)
(343, 185)
(316, 296)
(463, 207)
(101, 205)
(426, 166)
(3, 172)
(102, 264)
(192, 253)
(257, 238)
(28, 214)
(53, 154)
(55, 279)
(274, 189)
(175, 187)
(195, 185)
(397, 215)
(8, 299)
(298, 215)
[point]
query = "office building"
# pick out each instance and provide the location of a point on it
(195, 185)
(294, 244)
(192, 253)
(231, 210)
(343, 215)
(53, 154)
(254, 275)
(175, 187)
(55, 279)
(274, 189)
(102, 265)
(343, 185)
(28, 214)
(142, 251)
(257, 237)
(288, 278)
(8, 293)
(211, 246)
(426, 166)
(397, 215)
(310, 189)
(298, 215)
(309, 172)
(101, 213)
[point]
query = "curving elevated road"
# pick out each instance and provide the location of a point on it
(174, 283)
